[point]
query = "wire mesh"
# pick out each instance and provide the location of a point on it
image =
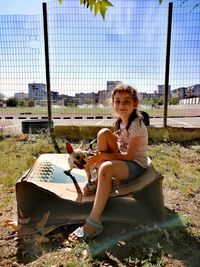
(89, 55)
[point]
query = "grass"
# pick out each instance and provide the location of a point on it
(176, 243)
(173, 110)
(58, 111)
(179, 164)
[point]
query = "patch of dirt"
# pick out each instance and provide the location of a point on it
(188, 207)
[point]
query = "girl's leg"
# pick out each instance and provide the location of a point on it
(107, 170)
(106, 141)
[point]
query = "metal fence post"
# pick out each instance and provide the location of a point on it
(46, 47)
(167, 65)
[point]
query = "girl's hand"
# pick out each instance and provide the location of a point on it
(97, 159)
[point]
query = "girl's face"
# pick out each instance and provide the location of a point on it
(124, 104)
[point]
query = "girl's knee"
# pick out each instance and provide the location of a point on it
(106, 141)
(105, 132)
(105, 170)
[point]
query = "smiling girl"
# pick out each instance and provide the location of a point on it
(122, 155)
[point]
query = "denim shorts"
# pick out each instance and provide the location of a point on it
(134, 170)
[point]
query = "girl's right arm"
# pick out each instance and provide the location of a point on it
(100, 157)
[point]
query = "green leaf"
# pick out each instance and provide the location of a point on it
(96, 9)
(102, 9)
(160, 1)
(91, 6)
(107, 3)
(97, 5)
(91, 3)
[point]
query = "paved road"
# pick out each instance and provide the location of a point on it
(12, 124)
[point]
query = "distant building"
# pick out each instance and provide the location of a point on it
(187, 92)
(161, 90)
(196, 90)
(86, 98)
(102, 96)
(144, 95)
(63, 96)
(37, 91)
(54, 96)
(193, 91)
(179, 92)
(110, 87)
(21, 96)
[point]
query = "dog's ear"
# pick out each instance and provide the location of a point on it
(69, 148)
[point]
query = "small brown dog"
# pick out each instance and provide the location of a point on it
(78, 159)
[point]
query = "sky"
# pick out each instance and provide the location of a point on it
(86, 52)
(26, 7)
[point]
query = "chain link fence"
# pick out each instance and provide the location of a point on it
(88, 56)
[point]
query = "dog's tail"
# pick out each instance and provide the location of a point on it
(78, 189)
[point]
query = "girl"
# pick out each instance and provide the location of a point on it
(122, 155)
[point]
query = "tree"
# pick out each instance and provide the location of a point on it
(95, 5)
(12, 102)
(98, 5)
(195, 6)
(102, 5)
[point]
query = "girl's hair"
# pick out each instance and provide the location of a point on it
(123, 88)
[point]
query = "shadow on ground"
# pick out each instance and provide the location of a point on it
(170, 240)
(128, 245)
